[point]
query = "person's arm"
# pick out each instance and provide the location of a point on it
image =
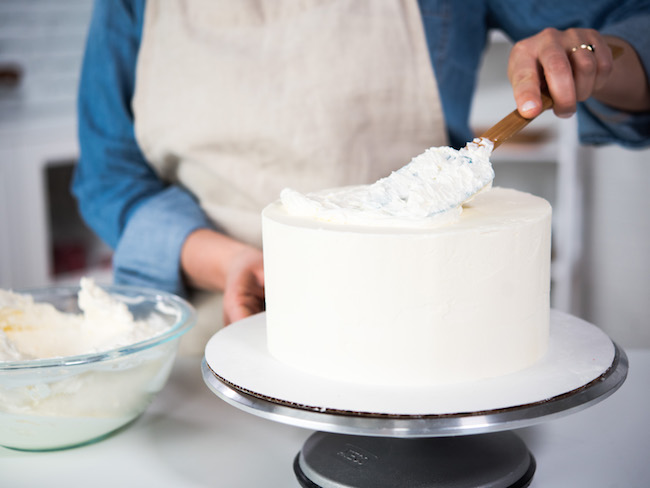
(161, 236)
(120, 196)
(627, 86)
(168, 244)
(214, 261)
(611, 96)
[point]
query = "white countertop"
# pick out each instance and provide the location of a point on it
(190, 438)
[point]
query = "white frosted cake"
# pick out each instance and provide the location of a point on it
(397, 300)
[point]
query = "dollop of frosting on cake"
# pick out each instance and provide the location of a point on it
(427, 192)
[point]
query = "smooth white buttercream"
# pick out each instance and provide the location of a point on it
(382, 305)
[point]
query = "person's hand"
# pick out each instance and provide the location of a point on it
(244, 291)
(213, 261)
(572, 66)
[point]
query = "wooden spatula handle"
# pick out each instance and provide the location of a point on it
(511, 124)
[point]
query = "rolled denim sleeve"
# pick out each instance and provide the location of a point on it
(148, 253)
(144, 219)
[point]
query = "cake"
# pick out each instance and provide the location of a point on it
(390, 300)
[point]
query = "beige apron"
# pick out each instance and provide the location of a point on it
(236, 100)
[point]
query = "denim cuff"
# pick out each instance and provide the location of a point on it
(149, 250)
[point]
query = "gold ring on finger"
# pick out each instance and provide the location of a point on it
(588, 47)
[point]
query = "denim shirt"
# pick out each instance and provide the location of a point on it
(146, 220)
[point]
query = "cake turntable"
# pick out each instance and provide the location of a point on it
(451, 436)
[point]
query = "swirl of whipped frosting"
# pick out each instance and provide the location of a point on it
(35, 330)
(427, 192)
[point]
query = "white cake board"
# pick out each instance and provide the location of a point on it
(578, 354)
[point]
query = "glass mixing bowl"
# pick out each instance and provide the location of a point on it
(57, 403)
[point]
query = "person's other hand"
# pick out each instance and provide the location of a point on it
(554, 60)
(244, 290)
(213, 261)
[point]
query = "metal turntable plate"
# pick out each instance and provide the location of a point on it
(581, 367)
